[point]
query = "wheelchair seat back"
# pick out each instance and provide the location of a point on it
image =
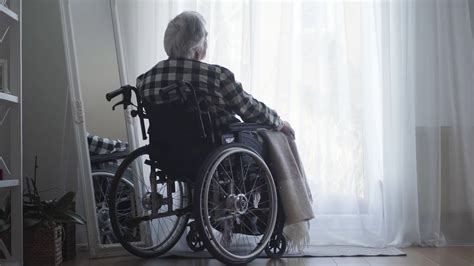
(180, 135)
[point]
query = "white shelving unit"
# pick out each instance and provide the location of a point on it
(7, 16)
(9, 183)
(11, 131)
(7, 98)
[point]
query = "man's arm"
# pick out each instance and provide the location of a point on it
(243, 104)
(99, 145)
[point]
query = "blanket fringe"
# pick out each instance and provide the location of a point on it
(297, 236)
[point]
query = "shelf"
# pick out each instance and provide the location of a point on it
(6, 97)
(7, 16)
(9, 263)
(9, 183)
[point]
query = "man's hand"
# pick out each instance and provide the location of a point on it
(288, 130)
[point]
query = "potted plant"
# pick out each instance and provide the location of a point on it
(43, 221)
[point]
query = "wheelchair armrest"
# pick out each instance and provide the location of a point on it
(236, 127)
(102, 158)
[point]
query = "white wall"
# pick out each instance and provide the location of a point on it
(98, 69)
(47, 126)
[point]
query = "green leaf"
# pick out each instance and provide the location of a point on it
(71, 217)
(65, 201)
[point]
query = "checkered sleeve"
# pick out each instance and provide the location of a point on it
(99, 145)
(243, 104)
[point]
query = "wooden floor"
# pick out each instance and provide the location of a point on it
(449, 256)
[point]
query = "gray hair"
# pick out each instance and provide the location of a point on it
(186, 35)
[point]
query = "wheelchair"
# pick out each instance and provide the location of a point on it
(191, 175)
(103, 169)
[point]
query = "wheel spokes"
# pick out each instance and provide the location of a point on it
(238, 205)
(140, 230)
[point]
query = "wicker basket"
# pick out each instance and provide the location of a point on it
(43, 246)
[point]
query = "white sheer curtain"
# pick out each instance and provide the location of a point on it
(379, 93)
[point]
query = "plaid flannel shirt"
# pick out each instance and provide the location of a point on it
(99, 145)
(225, 96)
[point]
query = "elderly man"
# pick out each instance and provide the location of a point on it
(185, 43)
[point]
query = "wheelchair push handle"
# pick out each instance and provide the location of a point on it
(126, 92)
(109, 96)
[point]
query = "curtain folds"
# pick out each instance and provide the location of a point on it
(380, 95)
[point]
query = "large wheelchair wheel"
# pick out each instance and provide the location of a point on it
(102, 180)
(149, 221)
(236, 204)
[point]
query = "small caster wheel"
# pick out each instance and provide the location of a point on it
(194, 240)
(276, 247)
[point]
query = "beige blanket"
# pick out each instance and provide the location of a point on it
(292, 186)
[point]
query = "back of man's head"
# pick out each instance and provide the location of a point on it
(185, 36)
